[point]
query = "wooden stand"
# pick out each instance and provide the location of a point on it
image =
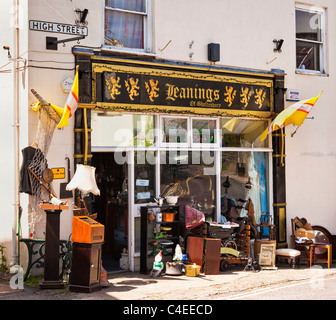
(86, 267)
(51, 263)
(87, 237)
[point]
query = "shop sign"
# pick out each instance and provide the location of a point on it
(185, 92)
(55, 27)
(292, 95)
(59, 173)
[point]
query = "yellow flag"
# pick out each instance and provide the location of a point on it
(294, 114)
(71, 103)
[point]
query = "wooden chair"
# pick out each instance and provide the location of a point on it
(308, 250)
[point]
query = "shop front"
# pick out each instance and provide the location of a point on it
(158, 129)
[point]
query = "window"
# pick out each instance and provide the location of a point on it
(122, 130)
(190, 176)
(236, 170)
(310, 38)
(128, 24)
(204, 131)
(174, 131)
(243, 133)
(144, 176)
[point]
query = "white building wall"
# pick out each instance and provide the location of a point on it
(8, 163)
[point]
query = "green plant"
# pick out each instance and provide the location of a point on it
(3, 264)
(33, 281)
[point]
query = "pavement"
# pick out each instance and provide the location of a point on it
(133, 286)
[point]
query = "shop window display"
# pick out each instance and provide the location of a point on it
(191, 176)
(238, 168)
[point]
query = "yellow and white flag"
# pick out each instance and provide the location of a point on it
(71, 103)
(294, 114)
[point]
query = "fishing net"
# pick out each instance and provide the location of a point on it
(48, 120)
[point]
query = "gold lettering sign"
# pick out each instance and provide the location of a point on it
(131, 89)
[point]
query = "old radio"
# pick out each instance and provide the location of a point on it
(86, 230)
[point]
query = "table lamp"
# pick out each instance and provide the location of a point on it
(84, 180)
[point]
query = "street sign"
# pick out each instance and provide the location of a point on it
(55, 27)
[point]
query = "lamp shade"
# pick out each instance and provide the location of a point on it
(84, 180)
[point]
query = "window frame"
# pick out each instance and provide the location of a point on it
(161, 132)
(322, 43)
(147, 30)
(215, 144)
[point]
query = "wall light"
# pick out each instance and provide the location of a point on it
(278, 45)
(83, 14)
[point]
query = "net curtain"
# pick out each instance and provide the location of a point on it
(125, 28)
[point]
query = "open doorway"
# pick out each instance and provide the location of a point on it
(112, 206)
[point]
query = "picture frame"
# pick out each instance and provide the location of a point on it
(267, 255)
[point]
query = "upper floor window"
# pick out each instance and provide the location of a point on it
(310, 38)
(128, 24)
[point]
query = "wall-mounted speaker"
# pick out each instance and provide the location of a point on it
(213, 52)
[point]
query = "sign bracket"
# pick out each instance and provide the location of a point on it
(52, 42)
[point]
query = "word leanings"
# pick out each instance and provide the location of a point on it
(185, 92)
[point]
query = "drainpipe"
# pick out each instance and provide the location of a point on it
(16, 133)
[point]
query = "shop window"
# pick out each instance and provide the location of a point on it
(128, 24)
(174, 131)
(310, 38)
(204, 131)
(190, 175)
(144, 176)
(117, 130)
(243, 133)
(238, 168)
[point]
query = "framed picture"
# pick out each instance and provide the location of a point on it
(267, 255)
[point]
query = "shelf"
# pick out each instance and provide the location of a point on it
(147, 229)
(162, 239)
(163, 222)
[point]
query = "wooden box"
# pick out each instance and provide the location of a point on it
(86, 267)
(87, 230)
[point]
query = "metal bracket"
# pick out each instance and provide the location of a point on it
(52, 42)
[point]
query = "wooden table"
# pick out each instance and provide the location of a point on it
(51, 263)
(327, 246)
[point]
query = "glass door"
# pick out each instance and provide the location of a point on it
(112, 206)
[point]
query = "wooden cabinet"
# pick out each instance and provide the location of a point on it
(86, 267)
(205, 252)
(156, 236)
